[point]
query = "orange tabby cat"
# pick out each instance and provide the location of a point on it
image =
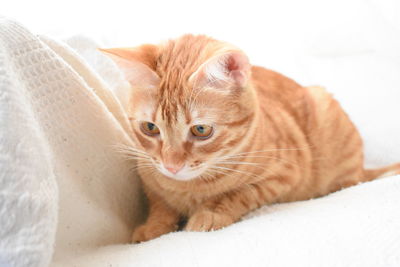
(220, 137)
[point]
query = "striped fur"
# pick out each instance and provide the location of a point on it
(274, 140)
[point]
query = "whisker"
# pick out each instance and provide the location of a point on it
(266, 157)
(213, 172)
(250, 188)
(142, 167)
(267, 150)
(237, 171)
(136, 157)
(239, 162)
(131, 153)
(208, 176)
(124, 148)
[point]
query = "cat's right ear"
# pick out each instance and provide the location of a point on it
(226, 71)
(137, 64)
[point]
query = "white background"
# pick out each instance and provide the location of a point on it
(351, 47)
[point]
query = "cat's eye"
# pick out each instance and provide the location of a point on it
(149, 128)
(202, 131)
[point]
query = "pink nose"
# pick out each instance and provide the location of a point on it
(174, 168)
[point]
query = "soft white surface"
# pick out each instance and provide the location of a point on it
(357, 227)
(351, 47)
(28, 191)
(59, 125)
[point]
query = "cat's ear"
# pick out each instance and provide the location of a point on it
(137, 64)
(230, 69)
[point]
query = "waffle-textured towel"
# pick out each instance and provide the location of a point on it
(59, 127)
(66, 193)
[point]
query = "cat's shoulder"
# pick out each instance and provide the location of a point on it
(266, 80)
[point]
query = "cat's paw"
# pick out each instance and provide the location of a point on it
(208, 220)
(149, 231)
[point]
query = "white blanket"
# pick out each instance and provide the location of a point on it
(59, 128)
(63, 185)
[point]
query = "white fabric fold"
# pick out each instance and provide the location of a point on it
(60, 126)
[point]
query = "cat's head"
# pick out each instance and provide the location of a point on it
(191, 103)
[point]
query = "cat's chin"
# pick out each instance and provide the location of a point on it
(183, 175)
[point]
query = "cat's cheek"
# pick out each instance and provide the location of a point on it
(208, 220)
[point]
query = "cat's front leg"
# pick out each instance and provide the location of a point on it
(208, 219)
(161, 220)
(224, 211)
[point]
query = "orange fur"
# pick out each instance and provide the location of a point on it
(274, 140)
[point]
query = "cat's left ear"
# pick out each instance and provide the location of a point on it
(137, 64)
(229, 69)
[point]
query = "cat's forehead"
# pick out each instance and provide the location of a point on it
(188, 114)
(183, 115)
(178, 61)
(175, 94)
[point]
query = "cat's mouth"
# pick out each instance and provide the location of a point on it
(184, 174)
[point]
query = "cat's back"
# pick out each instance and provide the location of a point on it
(276, 91)
(328, 132)
(270, 81)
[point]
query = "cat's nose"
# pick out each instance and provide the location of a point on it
(174, 168)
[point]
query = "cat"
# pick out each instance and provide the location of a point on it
(218, 137)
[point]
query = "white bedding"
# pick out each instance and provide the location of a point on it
(356, 227)
(63, 186)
